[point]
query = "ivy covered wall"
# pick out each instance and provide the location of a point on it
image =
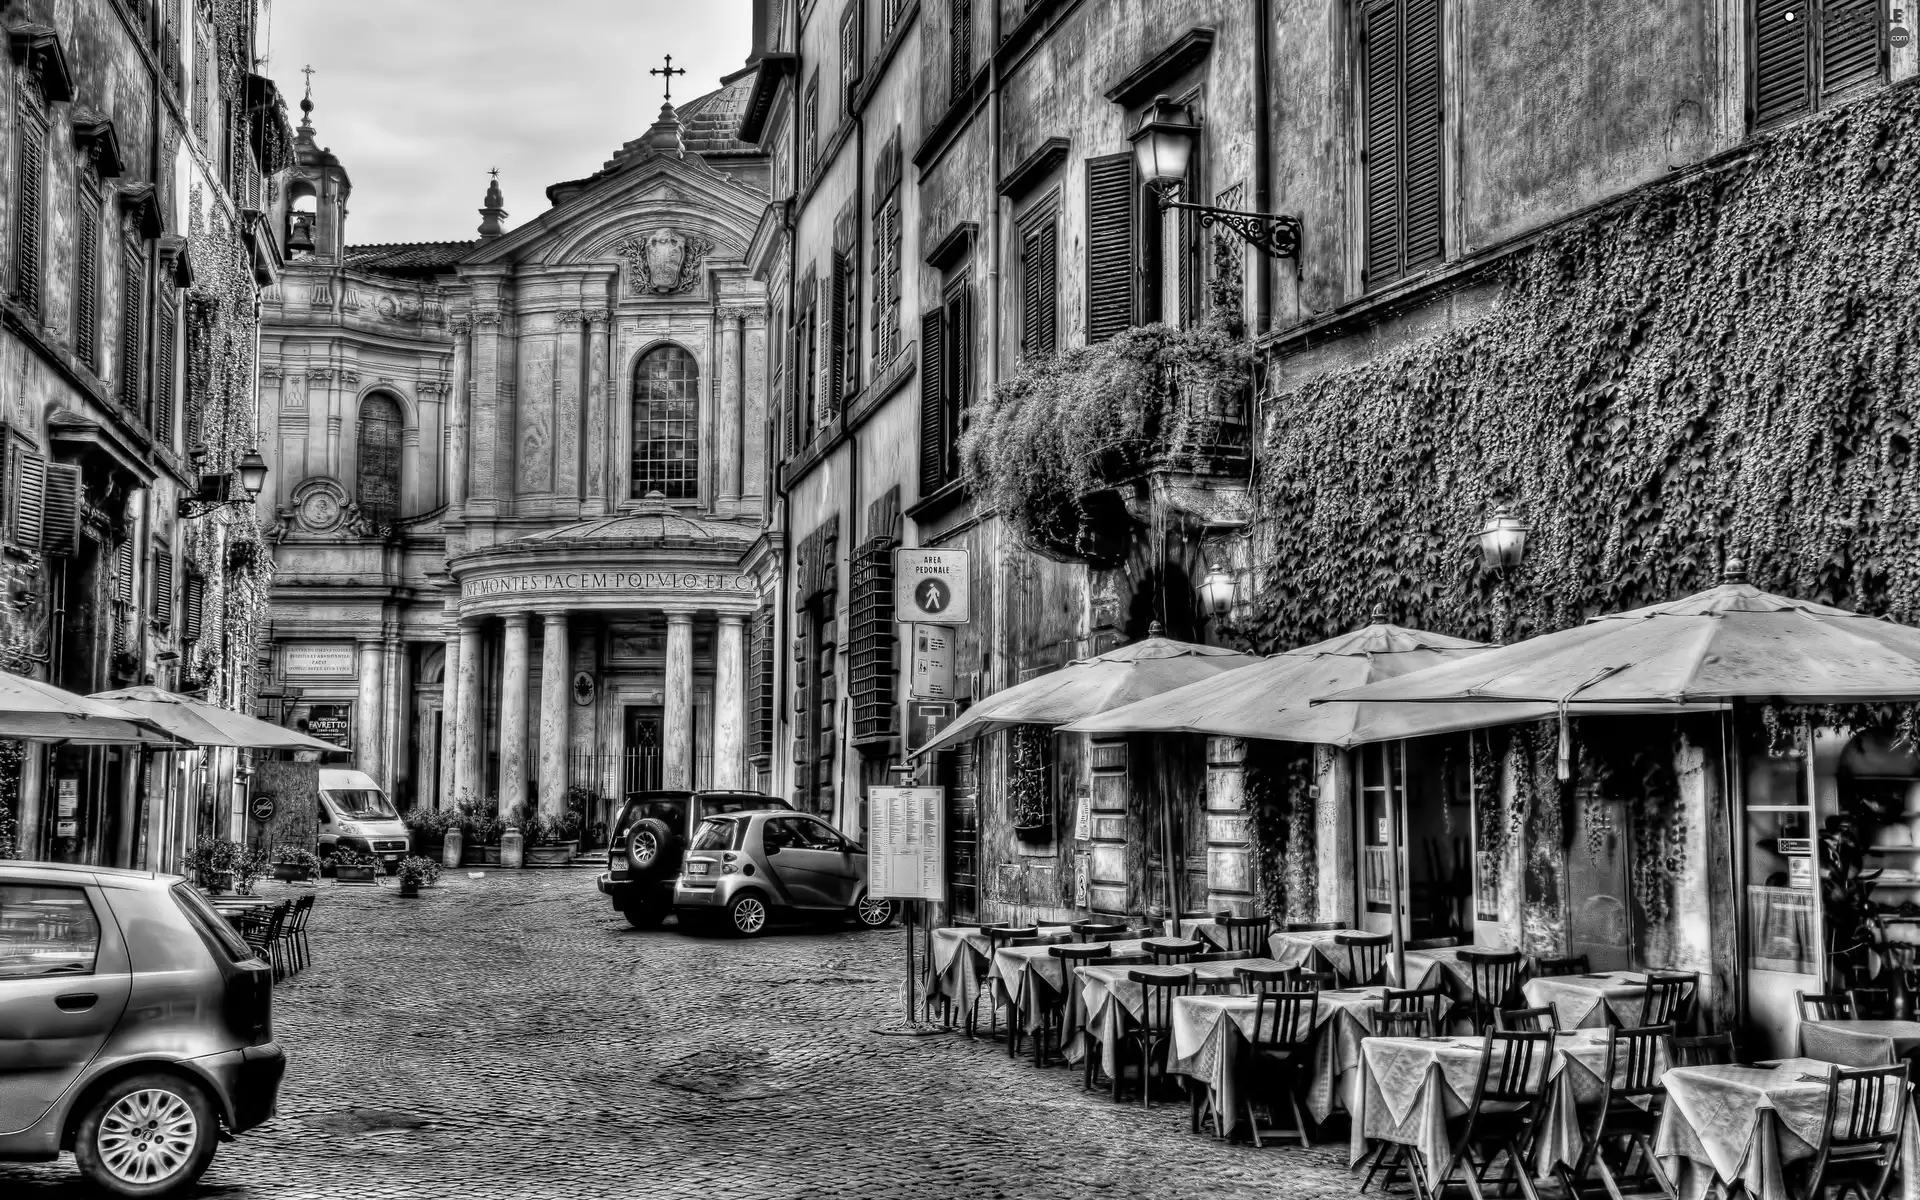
(1723, 365)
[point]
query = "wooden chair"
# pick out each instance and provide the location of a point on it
(1431, 1001)
(1869, 1004)
(1366, 956)
(1670, 999)
(1283, 1027)
(1085, 931)
(1057, 1015)
(1312, 926)
(1401, 1022)
(1823, 1006)
(1138, 958)
(1860, 1135)
(1152, 1034)
(1546, 968)
(1255, 980)
(266, 940)
(1506, 1102)
(1319, 981)
(1246, 933)
(997, 937)
(293, 935)
(1494, 977)
(1221, 983)
(1172, 952)
(1707, 1050)
(1631, 1115)
(1537, 1020)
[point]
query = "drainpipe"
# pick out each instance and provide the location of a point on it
(1262, 157)
(783, 617)
(849, 804)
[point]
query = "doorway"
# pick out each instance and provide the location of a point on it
(1599, 914)
(642, 768)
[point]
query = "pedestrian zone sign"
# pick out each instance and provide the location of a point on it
(931, 587)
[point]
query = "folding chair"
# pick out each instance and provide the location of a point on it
(1506, 1102)
(1860, 1136)
(1283, 1026)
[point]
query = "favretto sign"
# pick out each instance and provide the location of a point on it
(607, 583)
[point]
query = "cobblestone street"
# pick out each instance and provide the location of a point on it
(511, 1036)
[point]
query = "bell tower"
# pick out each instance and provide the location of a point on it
(313, 205)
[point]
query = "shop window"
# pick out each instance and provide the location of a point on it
(666, 425)
(377, 445)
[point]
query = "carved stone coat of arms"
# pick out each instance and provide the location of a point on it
(663, 262)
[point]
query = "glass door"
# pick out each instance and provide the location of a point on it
(1782, 934)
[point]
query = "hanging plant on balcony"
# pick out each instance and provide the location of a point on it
(1067, 426)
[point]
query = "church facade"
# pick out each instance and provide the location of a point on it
(520, 480)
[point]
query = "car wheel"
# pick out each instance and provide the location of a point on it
(747, 915)
(146, 1135)
(645, 916)
(873, 913)
(649, 846)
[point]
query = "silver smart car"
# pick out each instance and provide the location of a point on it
(135, 1026)
(749, 867)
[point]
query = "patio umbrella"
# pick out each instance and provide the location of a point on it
(204, 724)
(1087, 686)
(31, 711)
(1272, 698)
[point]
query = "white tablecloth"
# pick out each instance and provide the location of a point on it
(1859, 1043)
(1583, 1001)
(1025, 978)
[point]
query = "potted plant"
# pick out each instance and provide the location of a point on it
(355, 866)
(552, 841)
(249, 864)
(212, 861)
(417, 872)
(291, 864)
(428, 827)
(482, 840)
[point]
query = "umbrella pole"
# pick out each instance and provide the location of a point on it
(1397, 835)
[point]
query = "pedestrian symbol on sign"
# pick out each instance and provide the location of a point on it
(932, 595)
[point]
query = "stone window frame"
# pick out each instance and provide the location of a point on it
(689, 441)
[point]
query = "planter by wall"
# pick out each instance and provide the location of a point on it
(482, 856)
(217, 882)
(291, 872)
(409, 889)
(556, 854)
(345, 874)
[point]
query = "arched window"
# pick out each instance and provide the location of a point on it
(666, 425)
(378, 439)
(301, 216)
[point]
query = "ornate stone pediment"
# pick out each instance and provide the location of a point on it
(663, 262)
(318, 507)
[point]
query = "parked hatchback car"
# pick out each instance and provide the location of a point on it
(136, 1027)
(648, 839)
(749, 868)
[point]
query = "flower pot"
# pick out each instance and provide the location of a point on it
(481, 856)
(346, 874)
(409, 888)
(217, 882)
(554, 854)
(292, 872)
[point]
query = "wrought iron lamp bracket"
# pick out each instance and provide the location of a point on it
(1274, 234)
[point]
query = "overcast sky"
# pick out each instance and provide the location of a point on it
(419, 97)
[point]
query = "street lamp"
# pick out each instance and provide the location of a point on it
(1503, 543)
(1163, 147)
(215, 490)
(1217, 591)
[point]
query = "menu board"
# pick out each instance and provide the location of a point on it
(906, 846)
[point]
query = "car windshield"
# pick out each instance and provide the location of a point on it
(362, 804)
(210, 923)
(739, 804)
(718, 833)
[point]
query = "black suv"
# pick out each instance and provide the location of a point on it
(650, 838)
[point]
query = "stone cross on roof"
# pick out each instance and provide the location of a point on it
(669, 71)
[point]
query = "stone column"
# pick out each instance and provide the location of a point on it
(457, 417)
(729, 704)
(371, 707)
(390, 718)
(556, 736)
(600, 443)
(468, 778)
(678, 762)
(450, 719)
(730, 412)
(513, 715)
(411, 466)
(400, 720)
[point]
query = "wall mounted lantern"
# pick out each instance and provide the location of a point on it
(1503, 543)
(1163, 147)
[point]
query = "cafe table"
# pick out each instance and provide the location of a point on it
(1864, 1043)
(1023, 978)
(1214, 976)
(1105, 994)
(1213, 1041)
(959, 960)
(1587, 1001)
(1728, 1126)
(1204, 929)
(1316, 950)
(1410, 1087)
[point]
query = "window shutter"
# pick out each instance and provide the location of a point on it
(1423, 128)
(1380, 51)
(962, 46)
(1110, 196)
(1039, 289)
(61, 534)
(163, 385)
(123, 595)
(86, 282)
(1850, 53)
(871, 658)
(1782, 60)
(190, 391)
(28, 498)
(193, 603)
(162, 585)
(837, 379)
(933, 409)
(133, 316)
(28, 232)
(760, 683)
(850, 52)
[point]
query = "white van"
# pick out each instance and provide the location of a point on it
(356, 815)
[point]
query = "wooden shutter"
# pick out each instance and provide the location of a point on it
(961, 32)
(835, 366)
(850, 53)
(1039, 289)
(1782, 59)
(871, 641)
(29, 234)
(933, 409)
(123, 595)
(1850, 46)
(1380, 71)
(162, 598)
(133, 316)
(1404, 159)
(792, 388)
(28, 496)
(193, 605)
(1110, 252)
(1423, 138)
(86, 280)
(62, 531)
(163, 385)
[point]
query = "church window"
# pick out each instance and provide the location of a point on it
(378, 443)
(666, 425)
